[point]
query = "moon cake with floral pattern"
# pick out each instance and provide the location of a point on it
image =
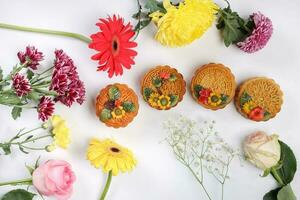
(117, 105)
(163, 87)
(259, 99)
(213, 86)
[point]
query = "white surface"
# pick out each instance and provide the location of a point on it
(158, 175)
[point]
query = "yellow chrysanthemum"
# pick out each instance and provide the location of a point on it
(184, 23)
(118, 112)
(214, 99)
(110, 156)
(153, 99)
(248, 106)
(60, 131)
(164, 102)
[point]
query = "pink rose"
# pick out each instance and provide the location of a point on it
(54, 178)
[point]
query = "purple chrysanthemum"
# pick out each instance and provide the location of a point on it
(260, 35)
(32, 56)
(21, 85)
(65, 80)
(45, 108)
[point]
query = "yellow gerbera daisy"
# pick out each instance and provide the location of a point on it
(110, 156)
(60, 131)
(118, 112)
(214, 99)
(164, 102)
(153, 99)
(248, 106)
(184, 23)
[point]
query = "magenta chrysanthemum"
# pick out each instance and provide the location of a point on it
(32, 56)
(65, 80)
(21, 85)
(260, 35)
(45, 108)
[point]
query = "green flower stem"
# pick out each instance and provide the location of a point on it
(31, 140)
(46, 31)
(46, 92)
(27, 181)
(20, 135)
(139, 18)
(106, 186)
(277, 177)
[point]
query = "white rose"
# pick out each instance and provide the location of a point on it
(262, 150)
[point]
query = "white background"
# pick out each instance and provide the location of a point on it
(158, 176)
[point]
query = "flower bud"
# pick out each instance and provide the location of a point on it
(50, 148)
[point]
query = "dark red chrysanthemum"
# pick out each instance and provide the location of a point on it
(32, 56)
(21, 85)
(114, 45)
(65, 80)
(45, 108)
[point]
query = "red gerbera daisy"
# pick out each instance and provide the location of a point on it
(114, 45)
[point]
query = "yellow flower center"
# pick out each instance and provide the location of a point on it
(164, 101)
(118, 111)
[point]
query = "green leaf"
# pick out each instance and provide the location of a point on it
(157, 82)
(1, 74)
(266, 172)
(35, 96)
(286, 193)
(272, 195)
(16, 112)
(10, 99)
(6, 148)
(114, 93)
(105, 115)
(245, 98)
(154, 6)
(146, 93)
(23, 150)
(142, 24)
(30, 74)
(18, 194)
(30, 169)
(289, 164)
(174, 100)
(128, 106)
(141, 15)
(234, 28)
(197, 89)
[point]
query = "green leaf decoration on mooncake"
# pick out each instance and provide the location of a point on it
(173, 78)
(224, 98)
(245, 98)
(174, 100)
(128, 106)
(146, 93)
(197, 89)
(114, 93)
(157, 82)
(105, 115)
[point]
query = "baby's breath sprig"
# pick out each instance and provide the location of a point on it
(201, 150)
